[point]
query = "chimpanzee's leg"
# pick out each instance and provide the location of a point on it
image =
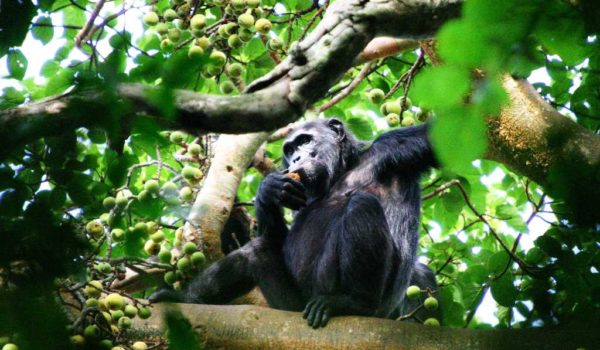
(256, 263)
(365, 255)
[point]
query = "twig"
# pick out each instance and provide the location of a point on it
(90, 23)
(311, 22)
(357, 80)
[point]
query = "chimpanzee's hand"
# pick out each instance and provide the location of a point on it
(281, 190)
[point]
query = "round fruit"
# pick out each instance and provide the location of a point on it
(102, 304)
(184, 264)
(115, 301)
(164, 256)
(109, 203)
(125, 322)
(234, 70)
(77, 340)
(252, 3)
(93, 289)
(246, 20)
(218, 58)
(174, 34)
(150, 19)
(104, 268)
(198, 21)
(106, 344)
(234, 41)
(392, 119)
(203, 42)
(107, 316)
(169, 15)
(94, 228)
(263, 26)
(246, 34)
(402, 100)
(423, 116)
(121, 201)
(157, 236)
(275, 44)
(237, 4)
(186, 194)
(10, 346)
(91, 332)
(198, 258)
(162, 28)
(105, 218)
(430, 303)
(211, 70)
(195, 52)
(189, 248)
(140, 228)
(170, 277)
(390, 107)
(432, 322)
(195, 149)
(144, 312)
(130, 311)
(144, 196)
(226, 87)
(91, 302)
(376, 96)
(179, 233)
(152, 226)
(166, 45)
(117, 348)
(169, 189)
(413, 292)
(139, 345)
(151, 186)
(151, 247)
(116, 315)
(118, 235)
(408, 120)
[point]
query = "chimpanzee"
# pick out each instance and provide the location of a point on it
(351, 249)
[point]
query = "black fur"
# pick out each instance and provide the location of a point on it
(351, 249)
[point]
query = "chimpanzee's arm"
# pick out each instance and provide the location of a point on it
(405, 150)
(276, 191)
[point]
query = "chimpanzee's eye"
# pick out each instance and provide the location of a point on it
(303, 139)
(287, 150)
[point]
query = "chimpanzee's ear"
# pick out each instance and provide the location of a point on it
(337, 126)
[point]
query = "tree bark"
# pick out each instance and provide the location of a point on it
(532, 138)
(253, 327)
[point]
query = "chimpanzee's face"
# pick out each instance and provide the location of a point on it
(313, 151)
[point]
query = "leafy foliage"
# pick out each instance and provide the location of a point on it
(85, 206)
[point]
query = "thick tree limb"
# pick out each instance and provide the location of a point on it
(252, 327)
(279, 98)
(532, 138)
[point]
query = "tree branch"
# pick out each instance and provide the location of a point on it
(312, 67)
(253, 327)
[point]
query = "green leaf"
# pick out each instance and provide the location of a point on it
(440, 87)
(15, 17)
(458, 137)
(11, 97)
(43, 30)
(361, 126)
(498, 263)
(59, 82)
(17, 64)
(504, 290)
